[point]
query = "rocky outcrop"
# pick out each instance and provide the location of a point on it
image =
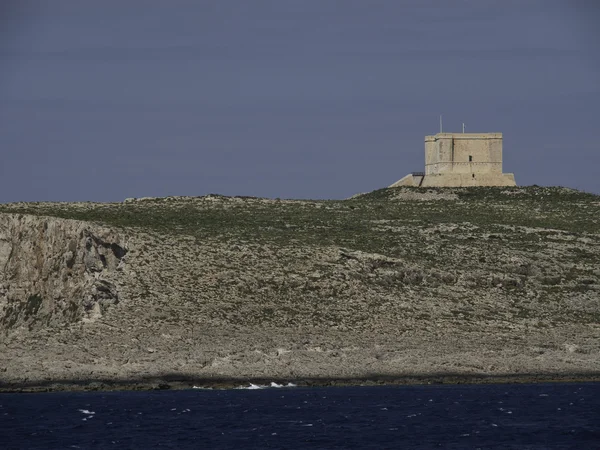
(55, 271)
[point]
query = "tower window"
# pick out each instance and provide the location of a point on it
(470, 158)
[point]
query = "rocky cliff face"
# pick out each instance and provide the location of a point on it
(395, 283)
(56, 271)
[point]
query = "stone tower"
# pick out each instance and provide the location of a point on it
(461, 159)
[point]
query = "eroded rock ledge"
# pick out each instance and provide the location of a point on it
(56, 271)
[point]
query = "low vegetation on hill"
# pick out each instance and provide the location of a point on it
(458, 262)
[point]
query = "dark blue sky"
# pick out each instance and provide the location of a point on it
(102, 100)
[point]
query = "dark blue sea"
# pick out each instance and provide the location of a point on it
(540, 416)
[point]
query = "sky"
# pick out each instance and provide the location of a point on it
(100, 101)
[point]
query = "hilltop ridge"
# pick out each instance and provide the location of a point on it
(397, 283)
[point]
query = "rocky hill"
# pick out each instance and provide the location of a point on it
(403, 285)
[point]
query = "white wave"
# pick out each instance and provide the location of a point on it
(264, 386)
(252, 386)
(275, 385)
(200, 387)
(85, 411)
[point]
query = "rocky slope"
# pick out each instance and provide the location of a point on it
(399, 284)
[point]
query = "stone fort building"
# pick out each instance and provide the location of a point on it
(461, 159)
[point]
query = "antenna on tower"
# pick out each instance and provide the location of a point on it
(441, 128)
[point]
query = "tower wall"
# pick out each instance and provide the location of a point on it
(430, 153)
(463, 153)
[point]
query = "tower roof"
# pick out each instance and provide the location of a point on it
(463, 136)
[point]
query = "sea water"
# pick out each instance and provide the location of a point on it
(537, 416)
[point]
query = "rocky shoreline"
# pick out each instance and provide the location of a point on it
(175, 382)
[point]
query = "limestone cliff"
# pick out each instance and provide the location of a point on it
(56, 271)
(398, 283)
